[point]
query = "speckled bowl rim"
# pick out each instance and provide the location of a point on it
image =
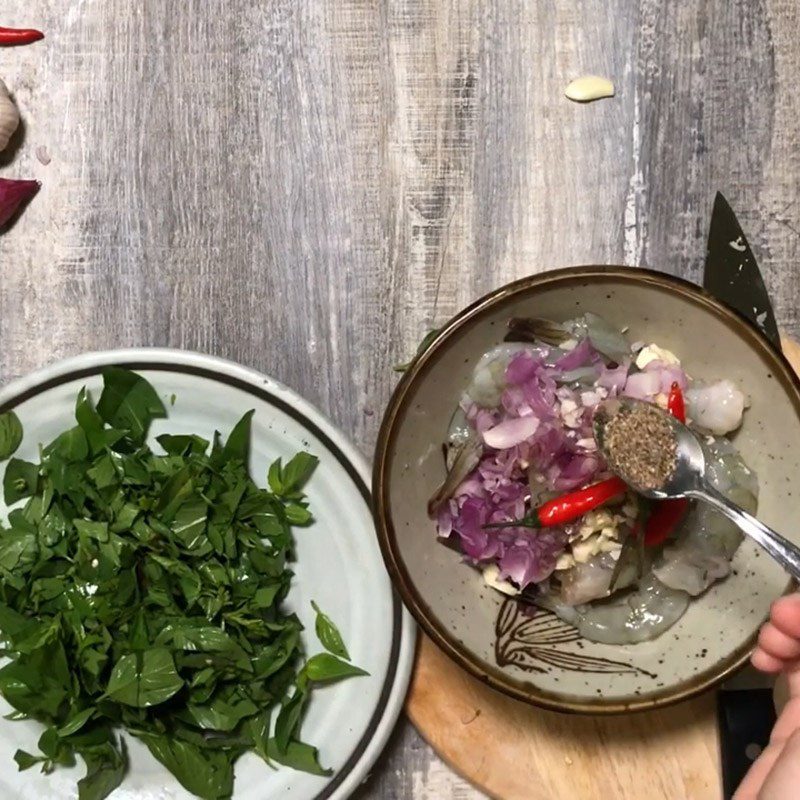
(387, 436)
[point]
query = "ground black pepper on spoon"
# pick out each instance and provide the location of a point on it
(640, 444)
(661, 458)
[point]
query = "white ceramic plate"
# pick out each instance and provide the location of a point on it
(338, 564)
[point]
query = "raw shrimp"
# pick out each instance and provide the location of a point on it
(626, 618)
(716, 407)
(592, 579)
(489, 377)
(707, 541)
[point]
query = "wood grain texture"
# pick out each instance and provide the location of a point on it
(518, 752)
(306, 185)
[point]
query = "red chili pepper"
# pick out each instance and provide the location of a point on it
(675, 403)
(14, 36)
(569, 507)
(667, 514)
(663, 519)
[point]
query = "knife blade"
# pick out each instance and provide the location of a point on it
(732, 274)
(745, 704)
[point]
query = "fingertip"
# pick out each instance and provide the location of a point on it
(765, 662)
(778, 644)
(764, 635)
(791, 599)
(785, 615)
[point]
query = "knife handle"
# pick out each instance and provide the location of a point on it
(746, 719)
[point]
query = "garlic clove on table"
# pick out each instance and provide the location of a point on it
(9, 116)
(588, 88)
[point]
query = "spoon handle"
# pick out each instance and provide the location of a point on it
(782, 550)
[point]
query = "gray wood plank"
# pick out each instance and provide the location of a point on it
(306, 186)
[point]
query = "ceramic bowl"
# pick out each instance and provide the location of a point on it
(539, 659)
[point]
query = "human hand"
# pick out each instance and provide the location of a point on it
(776, 773)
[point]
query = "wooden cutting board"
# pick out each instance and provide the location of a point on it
(514, 751)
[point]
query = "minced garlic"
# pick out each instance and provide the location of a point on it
(598, 533)
(491, 577)
(655, 353)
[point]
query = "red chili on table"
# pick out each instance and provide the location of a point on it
(668, 513)
(569, 507)
(15, 36)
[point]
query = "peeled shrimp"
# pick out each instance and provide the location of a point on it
(717, 407)
(707, 541)
(626, 618)
(592, 579)
(489, 378)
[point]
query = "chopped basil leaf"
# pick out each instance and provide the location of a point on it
(143, 591)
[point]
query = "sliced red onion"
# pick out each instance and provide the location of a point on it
(580, 356)
(522, 368)
(533, 556)
(12, 195)
(643, 385)
(669, 374)
(481, 418)
(613, 379)
(510, 433)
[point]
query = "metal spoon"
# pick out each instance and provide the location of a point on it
(688, 480)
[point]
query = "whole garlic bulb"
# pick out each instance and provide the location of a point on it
(9, 117)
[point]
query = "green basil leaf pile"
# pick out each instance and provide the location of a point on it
(143, 591)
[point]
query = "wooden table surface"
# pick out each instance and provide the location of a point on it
(306, 186)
